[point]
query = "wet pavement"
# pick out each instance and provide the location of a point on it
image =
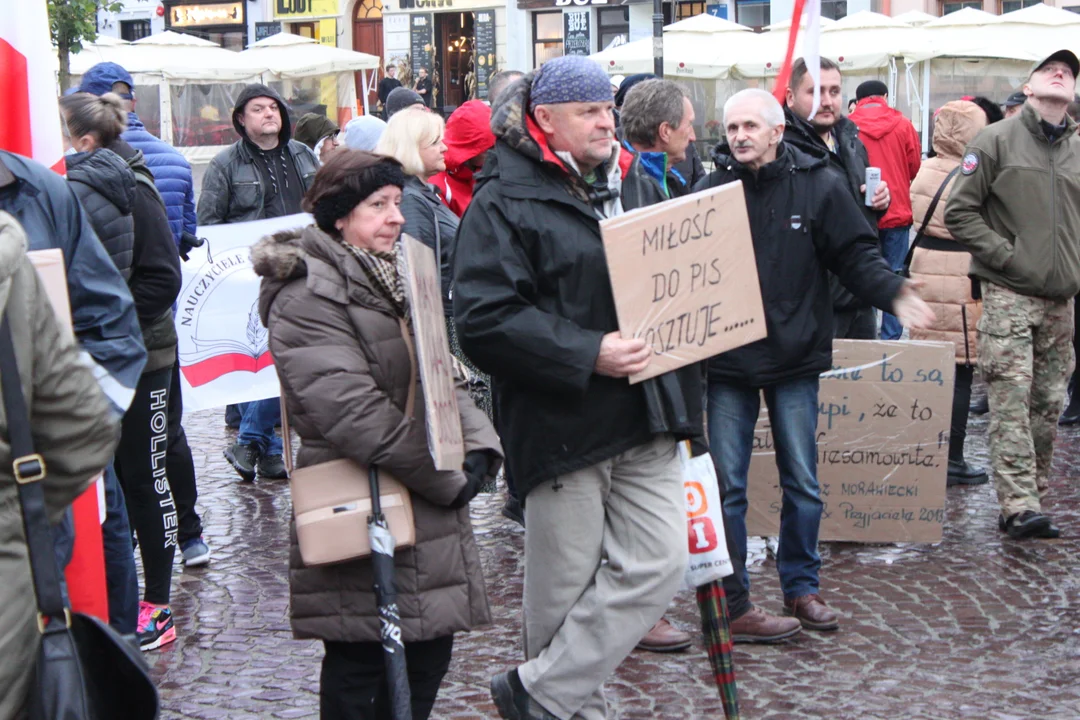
(977, 626)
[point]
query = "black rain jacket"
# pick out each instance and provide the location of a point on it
(804, 222)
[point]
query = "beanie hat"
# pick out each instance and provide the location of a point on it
(401, 98)
(628, 84)
(312, 127)
(871, 88)
(570, 79)
(333, 206)
(364, 132)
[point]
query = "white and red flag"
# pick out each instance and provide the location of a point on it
(811, 50)
(31, 124)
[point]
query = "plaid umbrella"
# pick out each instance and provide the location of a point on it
(717, 630)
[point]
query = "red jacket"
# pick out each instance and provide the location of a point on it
(468, 134)
(893, 146)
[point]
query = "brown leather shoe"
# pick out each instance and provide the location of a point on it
(758, 626)
(664, 638)
(812, 612)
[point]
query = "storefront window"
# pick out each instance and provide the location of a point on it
(614, 26)
(834, 9)
(132, 30)
(547, 36)
(1010, 5)
(690, 9)
(951, 7)
(753, 13)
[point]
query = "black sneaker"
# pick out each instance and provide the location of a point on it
(512, 510)
(1028, 524)
(512, 700)
(272, 467)
(243, 459)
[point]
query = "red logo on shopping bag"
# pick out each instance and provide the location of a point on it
(702, 535)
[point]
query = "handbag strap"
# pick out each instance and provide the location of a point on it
(410, 401)
(929, 216)
(29, 468)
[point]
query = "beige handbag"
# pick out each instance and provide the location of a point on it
(332, 500)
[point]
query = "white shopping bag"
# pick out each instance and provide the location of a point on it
(704, 520)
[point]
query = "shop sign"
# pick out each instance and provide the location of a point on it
(485, 51)
(426, 4)
(576, 40)
(305, 8)
(264, 30)
(200, 15)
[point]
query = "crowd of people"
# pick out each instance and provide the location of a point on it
(974, 245)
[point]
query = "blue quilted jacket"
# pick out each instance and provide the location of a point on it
(172, 176)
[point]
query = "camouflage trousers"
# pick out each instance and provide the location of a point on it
(1026, 356)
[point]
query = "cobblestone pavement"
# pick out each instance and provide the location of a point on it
(975, 627)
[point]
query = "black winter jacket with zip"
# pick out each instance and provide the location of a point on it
(533, 300)
(804, 222)
(850, 160)
(105, 186)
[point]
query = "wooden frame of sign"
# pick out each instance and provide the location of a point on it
(442, 417)
(684, 277)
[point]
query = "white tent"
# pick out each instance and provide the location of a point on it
(168, 57)
(702, 47)
(915, 18)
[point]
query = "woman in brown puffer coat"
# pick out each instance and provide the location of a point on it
(941, 264)
(332, 298)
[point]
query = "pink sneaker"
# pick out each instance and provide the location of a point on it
(155, 626)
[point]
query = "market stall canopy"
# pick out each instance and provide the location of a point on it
(859, 42)
(915, 18)
(1025, 35)
(290, 56)
(170, 56)
(706, 23)
(702, 47)
(785, 25)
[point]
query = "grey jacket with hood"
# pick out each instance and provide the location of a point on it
(232, 189)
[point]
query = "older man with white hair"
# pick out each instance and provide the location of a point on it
(804, 222)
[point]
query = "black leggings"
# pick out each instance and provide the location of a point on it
(353, 681)
(140, 466)
(180, 466)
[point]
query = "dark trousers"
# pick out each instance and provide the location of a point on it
(857, 324)
(180, 467)
(961, 404)
(140, 466)
(352, 685)
(121, 577)
(1074, 396)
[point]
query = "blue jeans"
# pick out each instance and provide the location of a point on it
(121, 577)
(257, 426)
(894, 248)
(793, 411)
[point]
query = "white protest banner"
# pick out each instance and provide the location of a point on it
(445, 439)
(882, 445)
(684, 277)
(224, 350)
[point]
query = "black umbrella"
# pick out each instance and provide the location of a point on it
(382, 565)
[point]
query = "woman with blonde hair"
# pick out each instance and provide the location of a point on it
(414, 137)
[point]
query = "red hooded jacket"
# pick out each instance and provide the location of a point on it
(468, 134)
(893, 145)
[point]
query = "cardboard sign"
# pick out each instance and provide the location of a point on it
(445, 439)
(50, 268)
(684, 277)
(884, 413)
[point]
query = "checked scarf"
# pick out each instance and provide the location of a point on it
(385, 270)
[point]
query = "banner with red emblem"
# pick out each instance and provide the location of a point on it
(223, 345)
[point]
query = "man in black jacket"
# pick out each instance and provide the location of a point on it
(263, 175)
(593, 456)
(803, 222)
(831, 135)
(386, 86)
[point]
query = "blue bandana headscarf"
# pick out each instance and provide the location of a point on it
(569, 79)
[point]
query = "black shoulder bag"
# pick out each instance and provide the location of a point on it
(85, 670)
(906, 271)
